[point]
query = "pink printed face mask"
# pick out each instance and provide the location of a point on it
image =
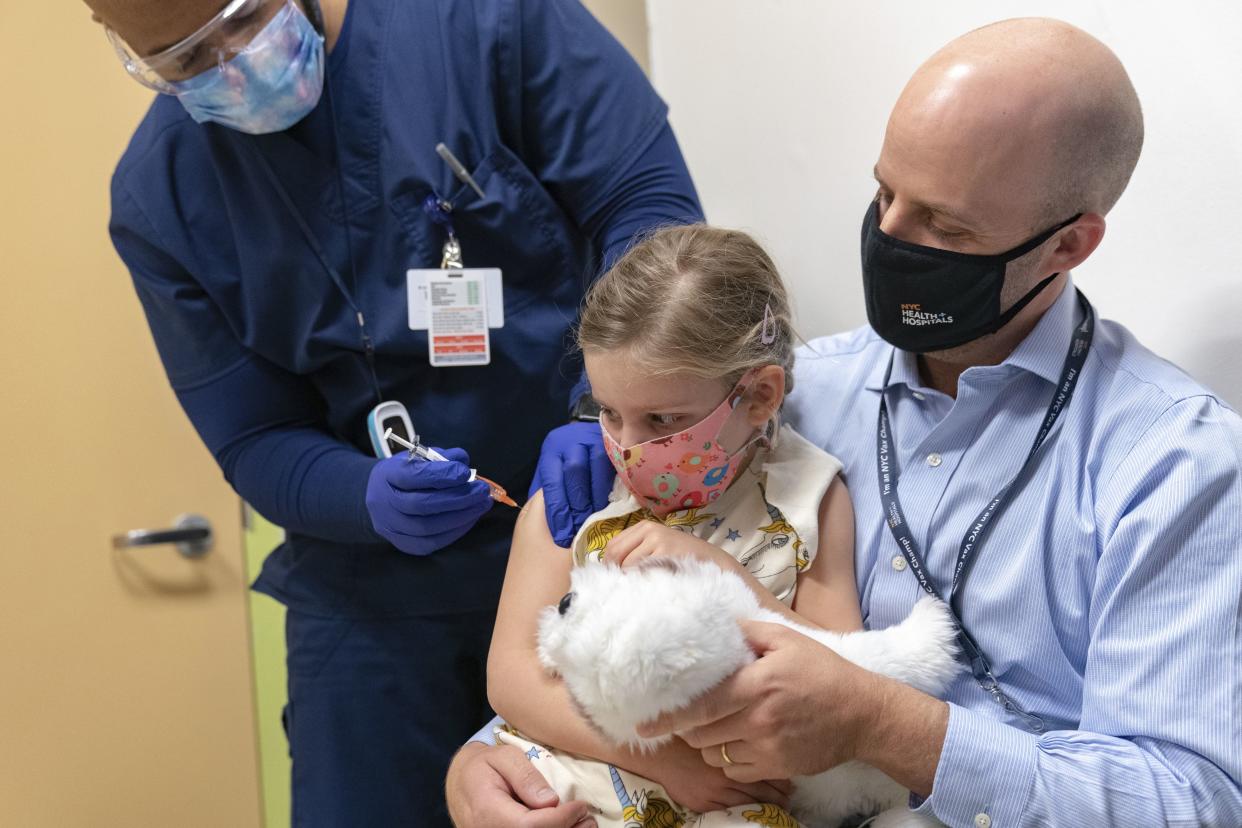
(688, 469)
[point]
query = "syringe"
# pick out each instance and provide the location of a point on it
(417, 449)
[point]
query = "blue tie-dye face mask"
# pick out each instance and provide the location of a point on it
(268, 86)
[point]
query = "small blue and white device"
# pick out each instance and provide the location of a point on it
(389, 415)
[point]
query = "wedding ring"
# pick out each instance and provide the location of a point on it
(724, 754)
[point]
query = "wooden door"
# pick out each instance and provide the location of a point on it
(125, 694)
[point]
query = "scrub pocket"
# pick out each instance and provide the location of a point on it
(311, 641)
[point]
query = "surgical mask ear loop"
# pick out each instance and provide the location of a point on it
(758, 434)
(762, 436)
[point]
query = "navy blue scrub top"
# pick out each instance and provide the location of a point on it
(572, 149)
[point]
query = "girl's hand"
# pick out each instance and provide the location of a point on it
(647, 539)
(694, 784)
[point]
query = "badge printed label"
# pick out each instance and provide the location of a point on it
(457, 333)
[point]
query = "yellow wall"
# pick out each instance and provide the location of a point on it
(627, 20)
(267, 647)
(125, 688)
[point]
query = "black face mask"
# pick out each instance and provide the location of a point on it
(926, 299)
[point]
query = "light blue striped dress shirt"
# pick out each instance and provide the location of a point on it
(1109, 594)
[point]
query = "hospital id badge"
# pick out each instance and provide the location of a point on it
(457, 333)
(416, 295)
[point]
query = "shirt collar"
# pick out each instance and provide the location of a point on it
(1042, 352)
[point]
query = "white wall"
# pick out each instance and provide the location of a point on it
(780, 108)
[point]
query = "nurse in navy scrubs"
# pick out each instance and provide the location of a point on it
(268, 208)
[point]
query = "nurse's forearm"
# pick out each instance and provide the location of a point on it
(261, 424)
(304, 481)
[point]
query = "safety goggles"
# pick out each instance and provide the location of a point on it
(213, 45)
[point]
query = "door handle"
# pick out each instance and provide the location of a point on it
(191, 534)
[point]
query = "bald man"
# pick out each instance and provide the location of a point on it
(1076, 498)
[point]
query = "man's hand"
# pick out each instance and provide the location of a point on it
(498, 787)
(700, 787)
(648, 539)
(576, 476)
(799, 709)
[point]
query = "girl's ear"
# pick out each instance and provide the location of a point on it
(765, 394)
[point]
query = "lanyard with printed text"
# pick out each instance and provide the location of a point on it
(968, 551)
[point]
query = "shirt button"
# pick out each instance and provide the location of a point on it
(918, 395)
(899, 563)
(933, 459)
(983, 821)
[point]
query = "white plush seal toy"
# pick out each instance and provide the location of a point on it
(633, 643)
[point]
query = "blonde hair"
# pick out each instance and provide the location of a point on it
(692, 299)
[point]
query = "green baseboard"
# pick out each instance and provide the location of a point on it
(267, 653)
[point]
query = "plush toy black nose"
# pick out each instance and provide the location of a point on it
(563, 606)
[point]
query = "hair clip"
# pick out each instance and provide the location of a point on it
(767, 333)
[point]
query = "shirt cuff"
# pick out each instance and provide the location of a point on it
(487, 734)
(985, 772)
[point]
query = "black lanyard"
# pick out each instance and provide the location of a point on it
(368, 345)
(1075, 358)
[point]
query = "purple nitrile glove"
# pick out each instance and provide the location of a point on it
(576, 476)
(420, 506)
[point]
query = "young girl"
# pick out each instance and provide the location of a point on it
(689, 350)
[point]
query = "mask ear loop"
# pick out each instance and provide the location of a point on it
(765, 434)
